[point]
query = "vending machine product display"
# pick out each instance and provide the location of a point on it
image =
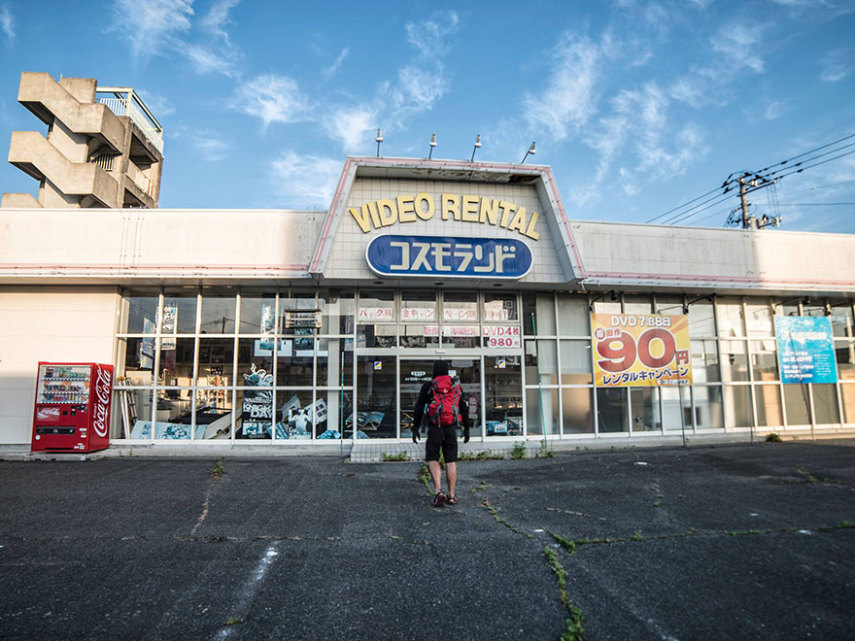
(72, 412)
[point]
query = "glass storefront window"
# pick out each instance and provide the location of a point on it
(768, 405)
(845, 354)
(176, 361)
(848, 392)
(708, 407)
(257, 314)
(255, 413)
(503, 404)
(142, 314)
(730, 317)
(377, 397)
(542, 411)
(759, 320)
(577, 413)
(335, 364)
(541, 362)
(418, 307)
(644, 403)
(734, 361)
(842, 322)
(825, 404)
(295, 362)
(299, 415)
(460, 307)
(764, 360)
(460, 336)
(637, 305)
(676, 408)
(796, 400)
(500, 308)
(576, 362)
(538, 314)
(419, 335)
(737, 406)
(701, 320)
(612, 410)
(669, 305)
(376, 335)
(337, 312)
(705, 367)
(179, 314)
(218, 314)
(376, 307)
(216, 362)
(574, 317)
(296, 313)
(136, 360)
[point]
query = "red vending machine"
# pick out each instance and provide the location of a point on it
(72, 412)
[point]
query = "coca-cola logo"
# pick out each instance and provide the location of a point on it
(102, 401)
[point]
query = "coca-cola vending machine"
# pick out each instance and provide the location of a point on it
(72, 412)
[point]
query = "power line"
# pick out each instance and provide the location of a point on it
(749, 181)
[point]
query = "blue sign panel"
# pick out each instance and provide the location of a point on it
(448, 256)
(805, 349)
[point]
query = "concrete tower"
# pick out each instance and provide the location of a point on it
(103, 148)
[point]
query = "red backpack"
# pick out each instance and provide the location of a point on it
(444, 407)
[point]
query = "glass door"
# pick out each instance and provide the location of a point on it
(416, 371)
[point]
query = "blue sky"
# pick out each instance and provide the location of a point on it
(637, 106)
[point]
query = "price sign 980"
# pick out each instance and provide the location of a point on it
(655, 348)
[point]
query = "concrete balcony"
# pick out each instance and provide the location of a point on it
(31, 152)
(48, 99)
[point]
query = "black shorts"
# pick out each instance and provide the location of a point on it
(441, 438)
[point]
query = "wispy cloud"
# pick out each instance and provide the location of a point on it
(740, 45)
(307, 180)
(206, 60)
(333, 69)
(419, 84)
(430, 37)
(271, 98)
(7, 23)
(570, 99)
(774, 109)
(158, 27)
(836, 65)
(217, 18)
(151, 26)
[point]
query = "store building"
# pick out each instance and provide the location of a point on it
(271, 328)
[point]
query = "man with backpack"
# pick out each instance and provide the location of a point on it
(441, 403)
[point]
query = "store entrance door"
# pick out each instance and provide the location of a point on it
(414, 372)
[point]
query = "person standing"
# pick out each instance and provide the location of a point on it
(441, 404)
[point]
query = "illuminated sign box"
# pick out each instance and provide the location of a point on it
(448, 256)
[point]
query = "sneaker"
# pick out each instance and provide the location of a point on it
(439, 499)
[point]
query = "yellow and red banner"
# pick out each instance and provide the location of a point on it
(641, 350)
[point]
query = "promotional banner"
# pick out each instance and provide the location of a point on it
(805, 349)
(640, 350)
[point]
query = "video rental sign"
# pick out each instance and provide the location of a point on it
(641, 350)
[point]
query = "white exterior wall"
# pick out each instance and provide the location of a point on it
(616, 254)
(74, 324)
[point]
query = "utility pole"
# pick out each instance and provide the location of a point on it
(740, 217)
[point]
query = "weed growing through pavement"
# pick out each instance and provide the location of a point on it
(485, 503)
(483, 455)
(400, 456)
(773, 438)
(424, 477)
(574, 630)
(519, 450)
(219, 471)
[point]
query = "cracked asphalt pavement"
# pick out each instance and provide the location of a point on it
(727, 542)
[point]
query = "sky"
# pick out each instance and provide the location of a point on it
(643, 109)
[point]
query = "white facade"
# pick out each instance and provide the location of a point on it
(69, 285)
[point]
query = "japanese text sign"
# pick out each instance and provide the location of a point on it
(805, 349)
(641, 350)
(448, 256)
